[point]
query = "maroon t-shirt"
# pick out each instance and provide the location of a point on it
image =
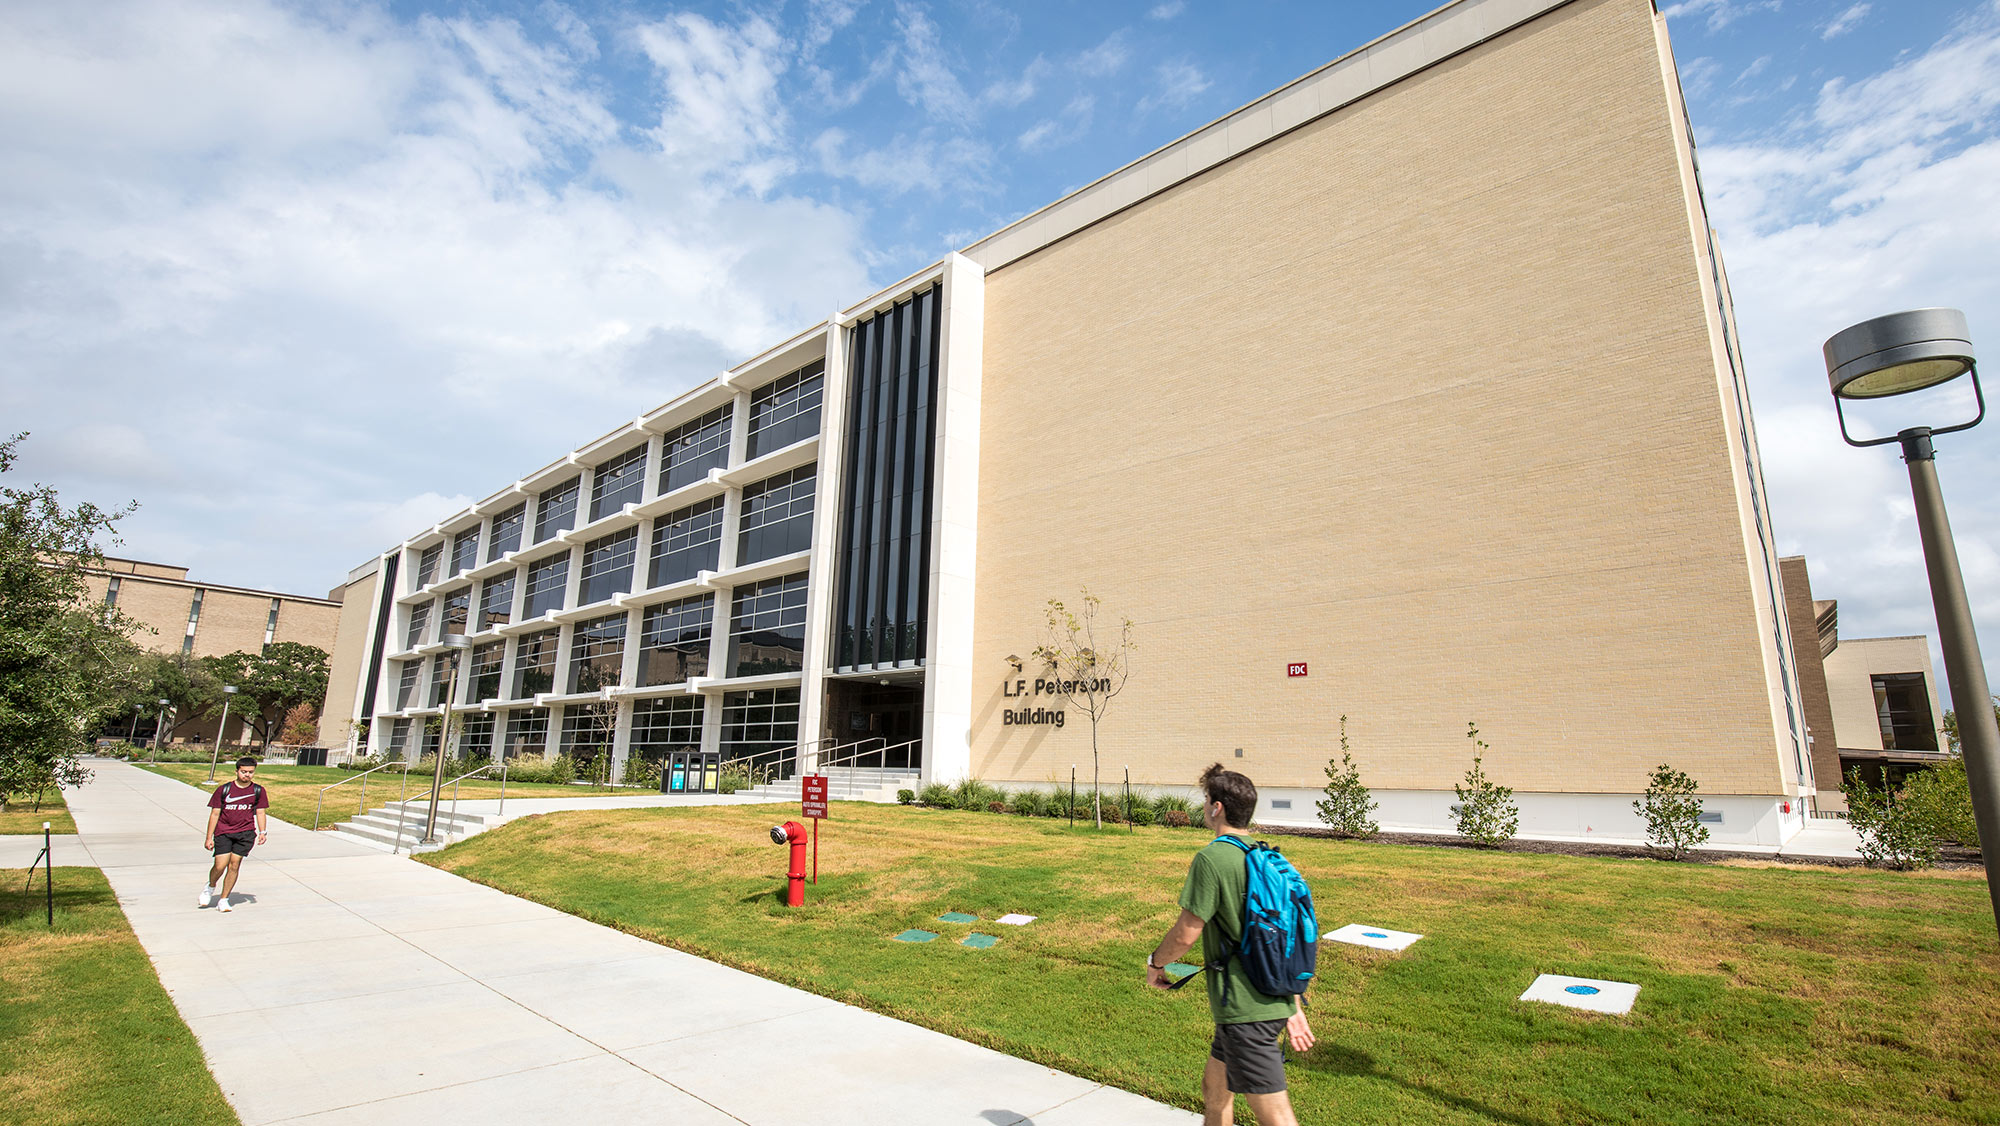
(239, 806)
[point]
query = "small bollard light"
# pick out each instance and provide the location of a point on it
(794, 834)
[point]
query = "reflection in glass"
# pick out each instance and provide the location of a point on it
(674, 640)
(686, 543)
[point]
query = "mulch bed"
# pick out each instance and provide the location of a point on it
(1953, 859)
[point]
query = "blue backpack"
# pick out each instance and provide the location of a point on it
(1279, 947)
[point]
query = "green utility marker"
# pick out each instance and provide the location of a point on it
(914, 935)
(979, 941)
(1179, 970)
(957, 917)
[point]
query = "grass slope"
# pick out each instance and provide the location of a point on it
(22, 816)
(1768, 995)
(295, 789)
(87, 1035)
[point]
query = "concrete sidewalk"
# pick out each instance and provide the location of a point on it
(349, 986)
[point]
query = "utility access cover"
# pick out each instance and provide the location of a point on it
(914, 935)
(1587, 993)
(1380, 938)
(957, 917)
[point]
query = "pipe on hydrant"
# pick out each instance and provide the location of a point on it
(794, 834)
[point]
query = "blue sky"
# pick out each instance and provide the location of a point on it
(227, 228)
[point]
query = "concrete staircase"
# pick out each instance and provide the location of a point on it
(844, 783)
(402, 824)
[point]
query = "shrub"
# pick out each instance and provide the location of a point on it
(1031, 803)
(1894, 833)
(1347, 802)
(996, 807)
(1176, 819)
(975, 795)
(734, 776)
(640, 772)
(1164, 804)
(937, 795)
(905, 797)
(1943, 799)
(1141, 815)
(1485, 812)
(1672, 813)
(562, 770)
(1063, 802)
(1109, 808)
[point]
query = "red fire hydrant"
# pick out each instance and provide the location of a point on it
(794, 833)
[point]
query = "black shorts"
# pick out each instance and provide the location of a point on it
(238, 843)
(1250, 1052)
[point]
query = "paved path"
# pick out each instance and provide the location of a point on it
(349, 986)
(18, 850)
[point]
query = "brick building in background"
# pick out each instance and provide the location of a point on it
(208, 620)
(1417, 377)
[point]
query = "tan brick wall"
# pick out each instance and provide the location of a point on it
(1812, 680)
(230, 620)
(1424, 394)
(357, 609)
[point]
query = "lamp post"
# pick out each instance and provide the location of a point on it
(228, 694)
(133, 738)
(1894, 355)
(457, 643)
(159, 728)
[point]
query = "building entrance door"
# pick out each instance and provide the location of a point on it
(865, 711)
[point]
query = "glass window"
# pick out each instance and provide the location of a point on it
(527, 731)
(432, 725)
(457, 609)
(692, 449)
(111, 591)
(597, 653)
(587, 730)
(440, 678)
(555, 510)
(548, 581)
(777, 516)
(607, 567)
(535, 664)
(427, 565)
(406, 683)
(666, 724)
(506, 532)
(673, 640)
(618, 482)
(1903, 709)
(465, 550)
(420, 620)
(485, 671)
(399, 738)
(786, 410)
(496, 601)
(760, 726)
(686, 543)
(475, 735)
(767, 627)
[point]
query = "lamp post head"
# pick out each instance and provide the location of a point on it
(164, 703)
(1899, 353)
(229, 690)
(456, 641)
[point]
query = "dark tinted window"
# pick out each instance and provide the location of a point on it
(694, 448)
(440, 678)
(420, 620)
(506, 532)
(475, 736)
(547, 583)
(465, 550)
(686, 543)
(527, 731)
(427, 565)
(607, 567)
(535, 664)
(555, 510)
(670, 723)
(457, 608)
(767, 627)
(587, 731)
(674, 639)
(618, 482)
(777, 516)
(785, 410)
(496, 600)
(485, 671)
(760, 726)
(597, 653)
(406, 683)
(1903, 710)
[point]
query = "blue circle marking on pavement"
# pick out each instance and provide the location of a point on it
(1581, 990)
(1373, 934)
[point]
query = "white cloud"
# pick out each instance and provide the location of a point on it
(1883, 198)
(1167, 10)
(1070, 125)
(1015, 91)
(1845, 21)
(825, 19)
(269, 272)
(1721, 13)
(1177, 83)
(905, 164)
(1107, 58)
(927, 79)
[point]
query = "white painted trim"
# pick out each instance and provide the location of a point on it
(955, 525)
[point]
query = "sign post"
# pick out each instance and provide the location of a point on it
(812, 805)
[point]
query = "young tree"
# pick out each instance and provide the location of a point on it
(1485, 811)
(63, 662)
(1086, 670)
(1347, 803)
(1672, 813)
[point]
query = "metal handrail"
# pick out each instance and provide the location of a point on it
(363, 779)
(403, 813)
(883, 751)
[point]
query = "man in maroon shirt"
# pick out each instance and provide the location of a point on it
(235, 815)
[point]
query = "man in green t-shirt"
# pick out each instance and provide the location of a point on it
(1244, 1058)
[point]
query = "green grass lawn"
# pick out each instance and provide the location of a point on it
(22, 816)
(87, 1035)
(1769, 994)
(295, 789)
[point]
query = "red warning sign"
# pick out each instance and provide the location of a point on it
(813, 791)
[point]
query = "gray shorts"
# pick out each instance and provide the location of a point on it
(1251, 1055)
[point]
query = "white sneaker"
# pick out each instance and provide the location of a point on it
(207, 896)
(225, 904)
